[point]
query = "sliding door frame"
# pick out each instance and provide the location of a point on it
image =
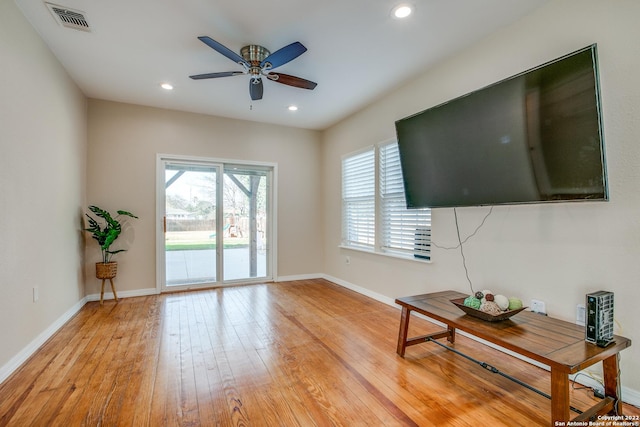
(271, 225)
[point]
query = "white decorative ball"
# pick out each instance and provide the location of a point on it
(502, 301)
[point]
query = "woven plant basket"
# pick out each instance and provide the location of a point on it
(106, 270)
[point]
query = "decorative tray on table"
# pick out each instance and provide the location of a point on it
(459, 302)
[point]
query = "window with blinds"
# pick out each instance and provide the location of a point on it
(358, 200)
(403, 231)
(375, 216)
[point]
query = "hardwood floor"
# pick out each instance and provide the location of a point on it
(303, 353)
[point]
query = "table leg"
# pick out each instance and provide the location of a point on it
(452, 334)
(404, 329)
(560, 404)
(611, 376)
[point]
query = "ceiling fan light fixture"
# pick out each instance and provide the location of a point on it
(402, 11)
(166, 86)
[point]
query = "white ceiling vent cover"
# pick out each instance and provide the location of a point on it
(68, 17)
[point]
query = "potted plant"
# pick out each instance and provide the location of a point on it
(106, 234)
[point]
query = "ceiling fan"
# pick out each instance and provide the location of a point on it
(257, 61)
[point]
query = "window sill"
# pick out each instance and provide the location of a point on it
(387, 254)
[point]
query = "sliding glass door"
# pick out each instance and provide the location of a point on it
(216, 223)
(245, 222)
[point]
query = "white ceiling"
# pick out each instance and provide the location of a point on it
(356, 51)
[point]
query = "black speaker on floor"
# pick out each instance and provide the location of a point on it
(599, 325)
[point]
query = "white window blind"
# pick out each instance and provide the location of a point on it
(403, 230)
(358, 200)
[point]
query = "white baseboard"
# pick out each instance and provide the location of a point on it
(364, 291)
(124, 294)
(629, 395)
(17, 360)
(298, 277)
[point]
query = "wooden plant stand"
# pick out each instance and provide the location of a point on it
(106, 271)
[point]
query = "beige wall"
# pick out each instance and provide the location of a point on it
(555, 253)
(124, 141)
(42, 183)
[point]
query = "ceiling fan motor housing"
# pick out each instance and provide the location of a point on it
(254, 55)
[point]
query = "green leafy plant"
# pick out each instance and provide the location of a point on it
(107, 232)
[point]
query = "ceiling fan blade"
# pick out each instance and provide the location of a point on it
(255, 89)
(286, 79)
(216, 75)
(284, 55)
(222, 50)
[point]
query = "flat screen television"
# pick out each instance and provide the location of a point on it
(535, 137)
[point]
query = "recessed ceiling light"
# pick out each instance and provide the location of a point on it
(292, 108)
(166, 86)
(402, 11)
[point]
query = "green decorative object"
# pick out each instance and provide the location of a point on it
(515, 303)
(472, 302)
(107, 232)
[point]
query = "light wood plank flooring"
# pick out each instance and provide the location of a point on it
(302, 353)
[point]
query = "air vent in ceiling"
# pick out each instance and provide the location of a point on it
(68, 17)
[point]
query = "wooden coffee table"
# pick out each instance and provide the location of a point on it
(552, 342)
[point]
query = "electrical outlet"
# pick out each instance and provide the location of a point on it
(538, 306)
(580, 315)
(36, 294)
